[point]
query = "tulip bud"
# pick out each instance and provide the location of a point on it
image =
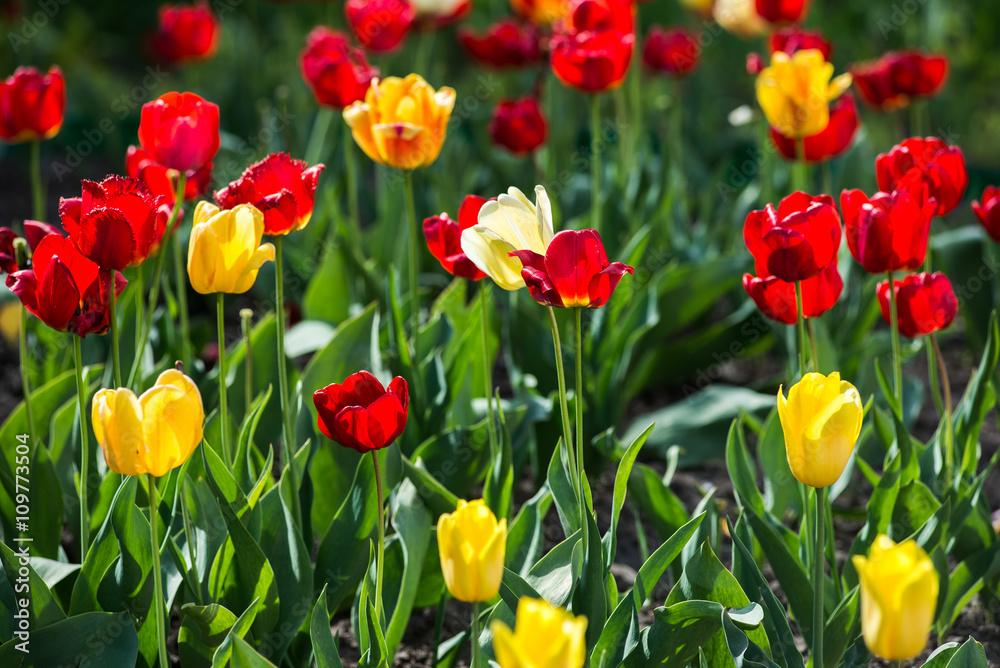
(471, 544)
(21, 252)
(543, 636)
(899, 591)
(821, 420)
(225, 252)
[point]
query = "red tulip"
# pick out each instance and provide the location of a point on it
(518, 125)
(336, 72)
(283, 188)
(114, 223)
(34, 232)
(931, 161)
(361, 414)
(64, 289)
(186, 33)
(599, 15)
(673, 52)
(925, 303)
(32, 105)
(379, 25)
(890, 231)
(794, 38)
(444, 238)
(180, 130)
(832, 141)
(507, 43)
(893, 80)
(574, 272)
(592, 62)
(797, 240)
(988, 211)
(776, 298)
(782, 11)
(162, 181)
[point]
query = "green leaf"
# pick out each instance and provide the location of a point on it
(245, 656)
(880, 506)
(500, 481)
(966, 579)
(651, 494)
(412, 522)
(841, 628)
(324, 642)
(563, 491)
(43, 609)
(377, 654)
(941, 656)
(436, 495)
(621, 487)
(781, 489)
(93, 638)
(590, 598)
(555, 573)
(203, 629)
(970, 655)
(676, 635)
(526, 534)
(743, 651)
(743, 476)
(971, 410)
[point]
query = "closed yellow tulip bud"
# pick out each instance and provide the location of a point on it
(471, 544)
(543, 637)
(899, 591)
(795, 92)
(153, 433)
(225, 253)
(401, 123)
(821, 420)
(510, 223)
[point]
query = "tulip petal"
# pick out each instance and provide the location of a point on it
(355, 427)
(490, 253)
(171, 427)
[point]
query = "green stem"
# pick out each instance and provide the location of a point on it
(827, 178)
(812, 344)
(799, 176)
(380, 556)
(158, 602)
(139, 307)
(288, 433)
(578, 330)
(818, 590)
(595, 162)
(949, 434)
(113, 314)
(181, 278)
(564, 405)
(38, 199)
(414, 277)
(22, 334)
(487, 369)
(351, 172)
(317, 136)
(81, 396)
(897, 363)
(477, 659)
(188, 531)
(800, 325)
(220, 315)
(245, 316)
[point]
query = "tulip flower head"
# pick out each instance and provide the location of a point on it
(782, 11)
(931, 161)
(540, 12)
(795, 92)
(897, 78)
(471, 544)
(510, 223)
(987, 210)
(186, 33)
(592, 47)
(162, 181)
(899, 592)
(380, 25)
(518, 125)
(506, 43)
(444, 238)
(925, 303)
(821, 421)
(8, 254)
(776, 298)
(543, 636)
(283, 188)
(153, 433)
(794, 38)
(32, 105)
(402, 123)
(360, 413)
(889, 232)
(225, 253)
(833, 140)
(797, 240)
(180, 130)
(574, 272)
(673, 52)
(336, 72)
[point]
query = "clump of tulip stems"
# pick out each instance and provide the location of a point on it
(154, 520)
(223, 406)
(154, 290)
(81, 395)
(286, 415)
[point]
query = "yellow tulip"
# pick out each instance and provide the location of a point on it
(225, 253)
(401, 123)
(795, 92)
(509, 224)
(899, 591)
(153, 433)
(738, 17)
(543, 637)
(821, 420)
(471, 544)
(540, 12)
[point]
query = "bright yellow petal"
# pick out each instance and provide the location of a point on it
(171, 427)
(203, 254)
(358, 117)
(203, 211)
(119, 414)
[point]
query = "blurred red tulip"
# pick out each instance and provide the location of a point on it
(794, 38)
(518, 125)
(592, 62)
(925, 303)
(889, 232)
(162, 181)
(114, 223)
(931, 161)
(180, 130)
(506, 43)
(380, 25)
(444, 238)
(832, 141)
(893, 80)
(361, 414)
(776, 298)
(283, 188)
(186, 33)
(599, 15)
(336, 72)
(64, 289)
(673, 52)
(797, 240)
(782, 11)
(32, 105)
(988, 211)
(574, 272)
